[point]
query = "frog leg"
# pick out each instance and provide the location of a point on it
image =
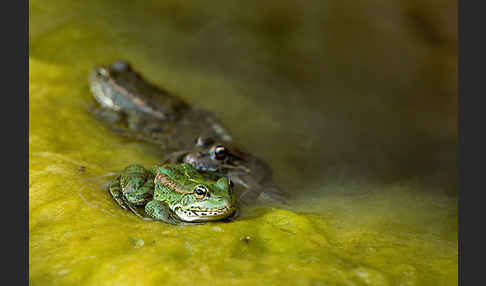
(116, 193)
(113, 120)
(138, 196)
(141, 195)
(107, 115)
(135, 193)
(135, 123)
(161, 211)
(144, 123)
(154, 136)
(135, 210)
(251, 189)
(273, 193)
(120, 199)
(128, 125)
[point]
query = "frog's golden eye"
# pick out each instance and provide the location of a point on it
(200, 192)
(220, 152)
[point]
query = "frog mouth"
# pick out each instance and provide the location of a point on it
(198, 214)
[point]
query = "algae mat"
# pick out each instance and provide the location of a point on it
(335, 232)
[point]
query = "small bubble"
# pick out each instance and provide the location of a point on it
(245, 239)
(137, 242)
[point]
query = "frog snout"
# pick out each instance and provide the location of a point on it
(189, 159)
(193, 157)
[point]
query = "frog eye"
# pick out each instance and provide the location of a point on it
(200, 192)
(220, 152)
(101, 72)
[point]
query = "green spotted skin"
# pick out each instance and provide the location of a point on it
(133, 188)
(174, 193)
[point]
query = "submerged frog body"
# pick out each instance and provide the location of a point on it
(174, 193)
(140, 109)
(227, 159)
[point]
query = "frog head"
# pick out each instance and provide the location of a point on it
(102, 81)
(208, 155)
(192, 196)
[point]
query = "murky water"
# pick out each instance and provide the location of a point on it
(353, 104)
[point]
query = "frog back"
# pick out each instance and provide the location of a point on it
(136, 94)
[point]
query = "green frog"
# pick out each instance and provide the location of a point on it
(228, 159)
(174, 193)
(137, 108)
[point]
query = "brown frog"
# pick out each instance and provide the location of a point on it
(252, 174)
(137, 108)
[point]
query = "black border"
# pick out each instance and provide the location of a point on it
(14, 25)
(471, 104)
(15, 95)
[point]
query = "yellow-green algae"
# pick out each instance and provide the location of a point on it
(346, 232)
